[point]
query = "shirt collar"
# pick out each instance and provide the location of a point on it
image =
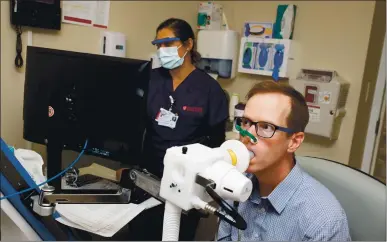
(281, 195)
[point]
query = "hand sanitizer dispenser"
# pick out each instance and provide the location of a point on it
(219, 52)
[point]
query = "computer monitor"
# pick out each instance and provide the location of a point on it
(70, 97)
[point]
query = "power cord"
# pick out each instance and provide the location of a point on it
(52, 178)
(226, 212)
(19, 47)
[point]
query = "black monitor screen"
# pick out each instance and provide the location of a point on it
(70, 97)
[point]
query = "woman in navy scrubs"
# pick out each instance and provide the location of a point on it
(185, 106)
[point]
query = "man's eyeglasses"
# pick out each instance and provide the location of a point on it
(263, 129)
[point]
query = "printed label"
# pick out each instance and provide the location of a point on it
(314, 114)
(325, 97)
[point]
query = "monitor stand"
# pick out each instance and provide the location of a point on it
(44, 203)
(130, 179)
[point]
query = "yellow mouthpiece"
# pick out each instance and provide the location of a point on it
(233, 156)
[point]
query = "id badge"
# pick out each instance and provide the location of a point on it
(166, 118)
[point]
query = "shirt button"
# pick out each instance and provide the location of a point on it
(262, 210)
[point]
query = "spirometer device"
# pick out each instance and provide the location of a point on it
(219, 52)
(326, 94)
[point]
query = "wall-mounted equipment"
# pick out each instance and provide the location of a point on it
(219, 51)
(210, 16)
(268, 57)
(44, 14)
(326, 95)
(113, 44)
(36, 13)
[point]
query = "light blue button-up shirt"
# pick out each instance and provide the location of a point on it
(299, 208)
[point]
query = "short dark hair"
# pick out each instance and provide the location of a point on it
(299, 114)
(182, 30)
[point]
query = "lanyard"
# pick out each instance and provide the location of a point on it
(172, 101)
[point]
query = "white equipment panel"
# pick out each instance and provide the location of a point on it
(326, 95)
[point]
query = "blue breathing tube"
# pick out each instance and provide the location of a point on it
(278, 60)
(263, 55)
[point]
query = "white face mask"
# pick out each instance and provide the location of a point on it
(169, 57)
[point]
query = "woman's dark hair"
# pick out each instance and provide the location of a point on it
(182, 30)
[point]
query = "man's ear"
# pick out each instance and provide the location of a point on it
(295, 141)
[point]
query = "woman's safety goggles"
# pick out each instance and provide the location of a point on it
(164, 40)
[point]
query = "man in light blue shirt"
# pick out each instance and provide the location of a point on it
(286, 203)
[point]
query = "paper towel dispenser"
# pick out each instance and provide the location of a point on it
(219, 51)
